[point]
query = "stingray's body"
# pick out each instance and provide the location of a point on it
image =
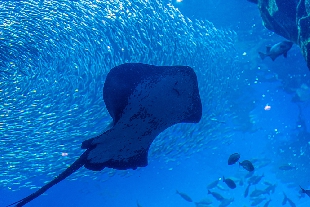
(143, 101)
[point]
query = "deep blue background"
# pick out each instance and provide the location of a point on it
(156, 185)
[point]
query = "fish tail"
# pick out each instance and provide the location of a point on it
(302, 190)
(262, 55)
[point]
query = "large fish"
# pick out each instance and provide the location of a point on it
(276, 50)
(233, 158)
(185, 196)
(143, 101)
(246, 164)
(229, 182)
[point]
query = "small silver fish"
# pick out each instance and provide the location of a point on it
(270, 189)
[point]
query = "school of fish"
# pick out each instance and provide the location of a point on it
(54, 59)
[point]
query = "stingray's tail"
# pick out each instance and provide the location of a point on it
(74, 167)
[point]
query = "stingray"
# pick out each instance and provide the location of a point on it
(143, 100)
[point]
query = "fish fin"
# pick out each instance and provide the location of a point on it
(268, 49)
(285, 54)
(302, 190)
(87, 143)
(262, 55)
(273, 58)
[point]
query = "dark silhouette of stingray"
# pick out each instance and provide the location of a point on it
(143, 101)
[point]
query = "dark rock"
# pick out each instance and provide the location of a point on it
(290, 19)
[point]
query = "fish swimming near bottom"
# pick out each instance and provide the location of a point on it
(203, 202)
(143, 101)
(270, 188)
(246, 192)
(213, 184)
(246, 164)
(255, 179)
(216, 195)
(201, 205)
(276, 50)
(185, 196)
(286, 199)
(226, 202)
(258, 193)
(229, 182)
(257, 201)
(233, 158)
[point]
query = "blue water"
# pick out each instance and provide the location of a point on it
(55, 57)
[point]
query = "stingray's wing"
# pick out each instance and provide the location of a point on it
(159, 97)
(123, 79)
(120, 83)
